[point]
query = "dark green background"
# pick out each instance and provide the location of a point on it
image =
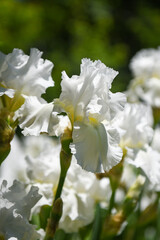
(67, 31)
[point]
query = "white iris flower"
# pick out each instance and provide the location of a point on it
(91, 107)
(24, 79)
(29, 75)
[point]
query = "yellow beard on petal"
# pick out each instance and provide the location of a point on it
(93, 120)
(68, 108)
(75, 116)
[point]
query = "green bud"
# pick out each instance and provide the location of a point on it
(156, 115)
(65, 154)
(53, 221)
(133, 195)
(66, 140)
(136, 188)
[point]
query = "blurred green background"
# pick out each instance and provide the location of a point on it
(67, 31)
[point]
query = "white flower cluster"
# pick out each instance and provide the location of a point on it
(145, 87)
(81, 189)
(105, 131)
(90, 105)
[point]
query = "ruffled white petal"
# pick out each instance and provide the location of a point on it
(96, 147)
(117, 103)
(36, 117)
(149, 162)
(90, 68)
(151, 91)
(114, 154)
(89, 92)
(78, 210)
(15, 220)
(145, 66)
(135, 121)
(86, 147)
(146, 63)
(30, 75)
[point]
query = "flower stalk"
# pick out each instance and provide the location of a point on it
(65, 161)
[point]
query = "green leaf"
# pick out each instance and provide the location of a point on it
(36, 221)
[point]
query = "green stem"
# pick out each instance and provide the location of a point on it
(65, 161)
(158, 221)
(111, 204)
(97, 225)
(60, 186)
